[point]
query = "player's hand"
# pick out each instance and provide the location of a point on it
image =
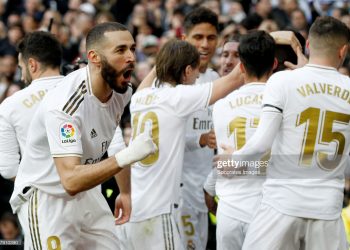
(225, 156)
(210, 202)
(208, 139)
(302, 60)
(122, 208)
(141, 147)
(284, 37)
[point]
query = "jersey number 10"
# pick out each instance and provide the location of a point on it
(150, 120)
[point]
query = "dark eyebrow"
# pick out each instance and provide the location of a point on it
(120, 47)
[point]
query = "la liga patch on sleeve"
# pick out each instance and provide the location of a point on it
(68, 133)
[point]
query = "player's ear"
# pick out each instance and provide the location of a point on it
(307, 45)
(183, 37)
(186, 73)
(93, 56)
(242, 68)
(275, 64)
(343, 51)
(32, 65)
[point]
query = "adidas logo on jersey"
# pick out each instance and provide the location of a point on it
(93, 133)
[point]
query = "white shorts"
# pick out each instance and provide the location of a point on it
(193, 226)
(80, 222)
(272, 230)
(23, 220)
(157, 233)
(230, 233)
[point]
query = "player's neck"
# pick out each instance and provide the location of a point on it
(322, 61)
(249, 79)
(49, 72)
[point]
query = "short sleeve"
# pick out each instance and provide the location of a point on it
(117, 143)
(190, 98)
(63, 133)
(274, 94)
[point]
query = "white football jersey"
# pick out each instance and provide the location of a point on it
(197, 160)
(117, 143)
(70, 122)
(164, 111)
(16, 113)
(235, 120)
(305, 176)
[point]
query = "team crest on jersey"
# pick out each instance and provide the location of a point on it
(67, 133)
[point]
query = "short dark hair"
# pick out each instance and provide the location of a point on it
(172, 60)
(96, 34)
(43, 47)
(257, 52)
(200, 15)
(328, 34)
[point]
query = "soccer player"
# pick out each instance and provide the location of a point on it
(229, 56)
(57, 187)
(39, 60)
(235, 120)
(306, 114)
(201, 30)
(164, 108)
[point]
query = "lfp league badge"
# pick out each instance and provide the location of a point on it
(68, 133)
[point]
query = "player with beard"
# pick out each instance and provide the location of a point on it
(57, 185)
(229, 56)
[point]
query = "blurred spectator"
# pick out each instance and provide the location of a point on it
(10, 230)
(8, 66)
(104, 17)
(141, 71)
(8, 44)
(34, 8)
(29, 23)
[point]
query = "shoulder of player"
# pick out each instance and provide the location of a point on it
(68, 94)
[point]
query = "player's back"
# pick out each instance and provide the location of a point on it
(19, 108)
(236, 119)
(164, 111)
(309, 154)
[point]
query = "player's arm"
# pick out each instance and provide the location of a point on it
(225, 85)
(147, 82)
(261, 141)
(76, 177)
(9, 150)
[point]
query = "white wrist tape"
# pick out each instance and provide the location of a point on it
(140, 148)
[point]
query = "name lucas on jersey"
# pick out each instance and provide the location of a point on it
(34, 98)
(324, 88)
(246, 100)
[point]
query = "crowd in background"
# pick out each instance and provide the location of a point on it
(152, 23)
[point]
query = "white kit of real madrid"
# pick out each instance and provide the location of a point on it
(197, 164)
(235, 120)
(303, 193)
(70, 122)
(155, 180)
(16, 113)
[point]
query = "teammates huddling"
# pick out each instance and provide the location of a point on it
(301, 116)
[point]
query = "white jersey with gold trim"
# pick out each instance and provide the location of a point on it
(164, 111)
(305, 176)
(235, 120)
(16, 113)
(70, 122)
(197, 160)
